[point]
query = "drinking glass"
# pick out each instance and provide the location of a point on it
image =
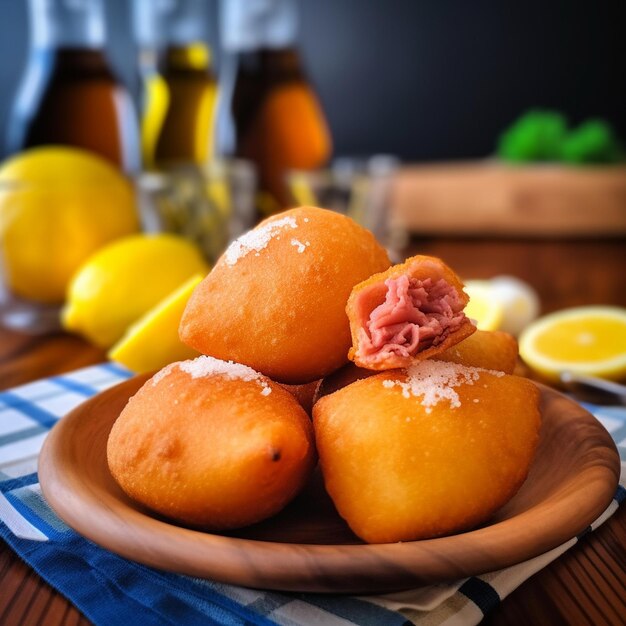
(210, 204)
(357, 187)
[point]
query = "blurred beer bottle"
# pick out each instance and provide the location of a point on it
(69, 94)
(268, 111)
(149, 30)
(178, 114)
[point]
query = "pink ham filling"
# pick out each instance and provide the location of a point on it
(416, 315)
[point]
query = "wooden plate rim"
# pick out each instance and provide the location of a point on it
(342, 567)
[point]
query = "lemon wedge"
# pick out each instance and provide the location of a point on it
(486, 310)
(585, 340)
(152, 342)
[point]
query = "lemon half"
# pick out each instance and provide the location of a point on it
(152, 342)
(586, 340)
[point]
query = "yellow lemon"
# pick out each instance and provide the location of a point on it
(486, 310)
(57, 206)
(152, 341)
(586, 340)
(124, 280)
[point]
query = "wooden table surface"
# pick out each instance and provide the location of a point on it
(585, 586)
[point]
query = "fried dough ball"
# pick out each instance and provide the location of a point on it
(491, 349)
(276, 299)
(408, 313)
(428, 451)
(212, 444)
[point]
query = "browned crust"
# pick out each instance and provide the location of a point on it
(367, 295)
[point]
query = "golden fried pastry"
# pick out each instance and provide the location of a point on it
(428, 451)
(212, 444)
(408, 313)
(276, 299)
(491, 349)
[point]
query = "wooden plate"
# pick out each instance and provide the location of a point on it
(308, 547)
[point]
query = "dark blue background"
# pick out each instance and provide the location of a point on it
(423, 79)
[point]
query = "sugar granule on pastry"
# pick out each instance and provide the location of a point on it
(203, 366)
(435, 381)
(257, 239)
(488, 349)
(301, 246)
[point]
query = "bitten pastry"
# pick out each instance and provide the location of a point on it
(213, 444)
(428, 451)
(408, 313)
(276, 299)
(490, 349)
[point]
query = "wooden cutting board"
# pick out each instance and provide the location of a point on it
(490, 198)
